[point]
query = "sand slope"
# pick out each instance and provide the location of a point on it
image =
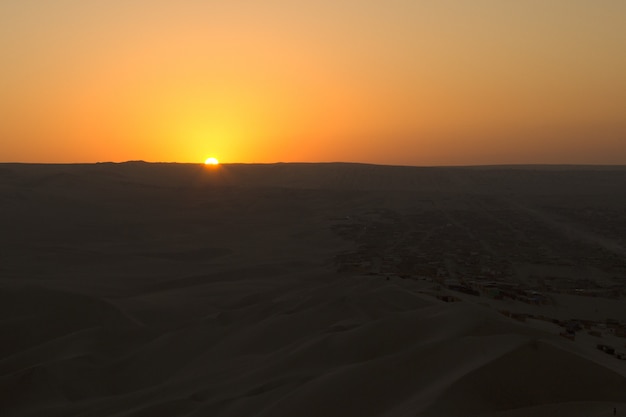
(172, 290)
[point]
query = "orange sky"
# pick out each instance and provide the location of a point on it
(412, 82)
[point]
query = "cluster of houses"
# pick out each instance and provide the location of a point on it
(572, 327)
(391, 245)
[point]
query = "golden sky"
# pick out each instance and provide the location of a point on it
(410, 82)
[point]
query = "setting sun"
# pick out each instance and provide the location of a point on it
(211, 161)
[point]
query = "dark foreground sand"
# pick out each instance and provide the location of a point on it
(177, 290)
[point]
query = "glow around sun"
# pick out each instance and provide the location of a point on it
(211, 161)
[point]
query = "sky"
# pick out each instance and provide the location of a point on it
(402, 82)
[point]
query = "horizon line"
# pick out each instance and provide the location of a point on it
(495, 165)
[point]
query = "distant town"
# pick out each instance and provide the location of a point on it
(499, 253)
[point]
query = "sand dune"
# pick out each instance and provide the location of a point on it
(178, 290)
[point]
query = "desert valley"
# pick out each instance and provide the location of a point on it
(312, 290)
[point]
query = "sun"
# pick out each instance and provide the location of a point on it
(211, 161)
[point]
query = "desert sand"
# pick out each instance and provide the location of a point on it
(295, 290)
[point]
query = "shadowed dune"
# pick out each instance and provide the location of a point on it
(143, 289)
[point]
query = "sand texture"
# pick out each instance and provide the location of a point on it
(311, 290)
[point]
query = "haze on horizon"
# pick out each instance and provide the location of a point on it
(446, 82)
